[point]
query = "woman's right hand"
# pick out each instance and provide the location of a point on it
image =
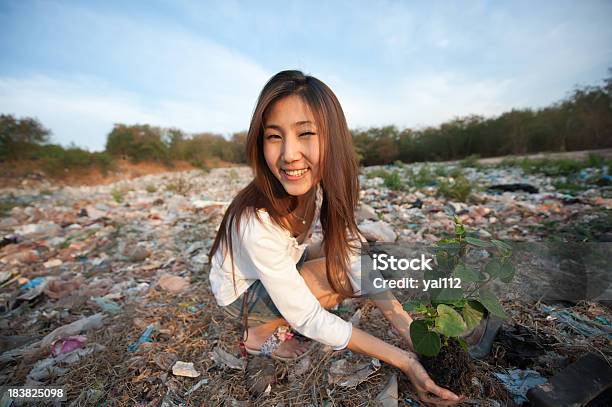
(424, 385)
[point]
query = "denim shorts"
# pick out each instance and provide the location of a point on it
(260, 306)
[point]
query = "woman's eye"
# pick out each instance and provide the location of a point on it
(273, 137)
(307, 133)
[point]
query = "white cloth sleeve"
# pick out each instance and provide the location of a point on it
(265, 249)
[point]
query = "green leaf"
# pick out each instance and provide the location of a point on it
(450, 245)
(507, 271)
(503, 246)
(493, 268)
(472, 314)
(414, 305)
(467, 274)
(425, 342)
(489, 300)
(446, 295)
(476, 242)
(449, 321)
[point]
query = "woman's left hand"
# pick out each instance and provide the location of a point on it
(424, 385)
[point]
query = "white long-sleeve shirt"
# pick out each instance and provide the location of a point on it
(265, 251)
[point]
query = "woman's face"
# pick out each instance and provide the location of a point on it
(291, 145)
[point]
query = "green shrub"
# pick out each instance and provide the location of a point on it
(117, 195)
(470, 161)
(393, 181)
(456, 187)
(377, 173)
(233, 176)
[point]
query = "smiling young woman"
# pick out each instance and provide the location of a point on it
(264, 267)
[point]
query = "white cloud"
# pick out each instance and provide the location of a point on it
(419, 101)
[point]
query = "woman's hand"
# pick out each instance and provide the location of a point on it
(424, 385)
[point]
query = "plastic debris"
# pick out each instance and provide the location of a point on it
(108, 305)
(518, 382)
(174, 284)
(378, 231)
(578, 323)
(388, 397)
(185, 369)
(67, 345)
(196, 386)
(347, 374)
(514, 187)
(145, 337)
(33, 283)
(52, 263)
(224, 359)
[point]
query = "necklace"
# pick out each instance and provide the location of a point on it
(303, 220)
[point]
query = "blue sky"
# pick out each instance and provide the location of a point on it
(80, 66)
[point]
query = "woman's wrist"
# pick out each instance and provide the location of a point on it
(408, 359)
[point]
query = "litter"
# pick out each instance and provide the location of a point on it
(185, 369)
(388, 397)
(518, 382)
(33, 283)
(578, 323)
(343, 373)
(174, 284)
(67, 345)
(224, 359)
(145, 337)
(196, 386)
(108, 305)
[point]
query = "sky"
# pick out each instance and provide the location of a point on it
(81, 66)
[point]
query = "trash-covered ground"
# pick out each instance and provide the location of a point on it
(104, 289)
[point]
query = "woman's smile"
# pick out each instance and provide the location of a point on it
(295, 175)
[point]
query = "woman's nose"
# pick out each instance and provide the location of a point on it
(291, 150)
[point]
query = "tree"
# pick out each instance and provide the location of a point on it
(16, 135)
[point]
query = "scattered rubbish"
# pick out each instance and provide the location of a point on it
(174, 284)
(224, 359)
(145, 337)
(173, 400)
(356, 318)
(518, 382)
(388, 397)
(139, 253)
(196, 386)
(347, 374)
(366, 212)
(34, 291)
(514, 187)
(60, 288)
(260, 375)
(418, 204)
(185, 369)
(166, 360)
(52, 263)
(578, 323)
(33, 283)
(10, 239)
(67, 345)
(378, 231)
(108, 305)
(577, 385)
(78, 249)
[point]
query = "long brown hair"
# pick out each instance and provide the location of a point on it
(338, 176)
